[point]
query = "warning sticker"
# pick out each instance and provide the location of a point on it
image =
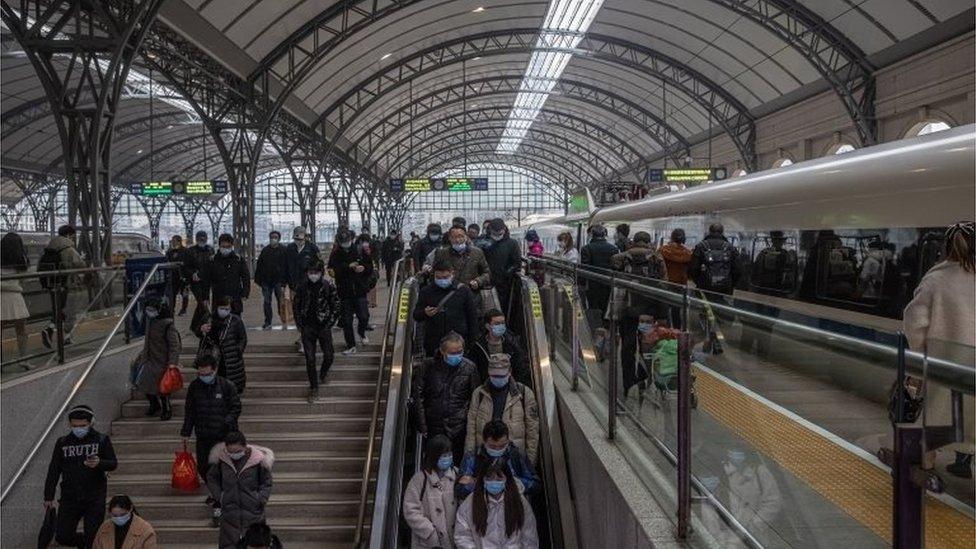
(403, 309)
(536, 301)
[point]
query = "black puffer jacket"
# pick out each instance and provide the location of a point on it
(422, 250)
(272, 267)
(392, 250)
(227, 340)
(316, 304)
(512, 346)
(458, 314)
(504, 260)
(442, 395)
(211, 410)
(598, 253)
(349, 283)
(177, 255)
(197, 260)
(298, 261)
(229, 276)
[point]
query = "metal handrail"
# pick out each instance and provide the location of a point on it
(81, 381)
(953, 375)
(377, 394)
(62, 272)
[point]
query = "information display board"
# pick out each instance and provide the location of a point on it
(166, 188)
(435, 184)
(157, 188)
(617, 192)
(686, 175)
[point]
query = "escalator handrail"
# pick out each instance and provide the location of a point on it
(377, 394)
(58, 416)
(560, 507)
(62, 272)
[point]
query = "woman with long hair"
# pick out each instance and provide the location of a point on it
(124, 529)
(566, 250)
(496, 515)
(940, 321)
(429, 507)
(13, 308)
(160, 351)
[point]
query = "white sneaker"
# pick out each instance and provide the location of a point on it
(349, 351)
(364, 340)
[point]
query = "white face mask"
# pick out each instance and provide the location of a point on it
(314, 277)
(225, 251)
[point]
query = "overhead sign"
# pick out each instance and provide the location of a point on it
(686, 175)
(157, 188)
(450, 184)
(617, 192)
(166, 188)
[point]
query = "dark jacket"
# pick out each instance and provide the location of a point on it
(392, 250)
(512, 346)
(272, 267)
(643, 261)
(197, 261)
(468, 265)
(227, 340)
(696, 269)
(177, 255)
(458, 314)
(211, 410)
(316, 304)
(243, 491)
(229, 276)
(161, 348)
(504, 260)
(349, 283)
(79, 482)
(422, 250)
(442, 395)
(598, 253)
(298, 261)
(518, 464)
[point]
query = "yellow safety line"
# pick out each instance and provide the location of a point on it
(845, 479)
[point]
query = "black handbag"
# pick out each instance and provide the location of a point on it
(46, 535)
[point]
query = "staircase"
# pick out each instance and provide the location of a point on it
(319, 448)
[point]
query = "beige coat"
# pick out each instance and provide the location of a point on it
(431, 519)
(521, 415)
(941, 319)
(141, 535)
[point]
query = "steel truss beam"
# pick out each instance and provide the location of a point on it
(96, 42)
(722, 106)
(627, 111)
(541, 172)
(38, 191)
(837, 58)
(559, 166)
(594, 136)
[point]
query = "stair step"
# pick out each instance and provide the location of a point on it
(272, 406)
(281, 506)
(284, 483)
(305, 529)
(315, 441)
(292, 357)
(299, 389)
(133, 427)
(339, 462)
(288, 344)
(296, 372)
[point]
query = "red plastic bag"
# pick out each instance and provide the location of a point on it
(171, 381)
(185, 472)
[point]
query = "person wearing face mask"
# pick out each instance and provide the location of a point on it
(240, 478)
(391, 252)
(301, 252)
(484, 241)
(497, 445)
(271, 274)
(177, 254)
(428, 244)
(80, 460)
(211, 411)
(61, 253)
(316, 308)
(501, 397)
(259, 536)
(161, 350)
(497, 338)
(428, 502)
(124, 529)
(196, 265)
(566, 250)
(225, 337)
(353, 268)
(442, 391)
(467, 261)
(445, 306)
(228, 275)
(474, 232)
(497, 516)
(504, 261)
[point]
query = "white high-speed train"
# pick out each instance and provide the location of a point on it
(884, 207)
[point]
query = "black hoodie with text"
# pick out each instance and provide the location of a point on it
(78, 481)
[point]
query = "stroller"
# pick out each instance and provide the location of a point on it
(658, 357)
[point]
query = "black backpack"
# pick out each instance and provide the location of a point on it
(643, 266)
(717, 266)
(50, 261)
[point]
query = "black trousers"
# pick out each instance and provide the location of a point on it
(358, 307)
(389, 272)
(204, 445)
(322, 336)
(628, 351)
(91, 511)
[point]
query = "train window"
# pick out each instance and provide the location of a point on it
(839, 148)
(852, 268)
(927, 127)
(774, 264)
(930, 250)
(783, 162)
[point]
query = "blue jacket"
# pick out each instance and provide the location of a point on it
(518, 464)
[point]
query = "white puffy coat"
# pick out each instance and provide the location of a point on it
(466, 537)
(431, 517)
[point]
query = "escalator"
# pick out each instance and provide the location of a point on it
(400, 450)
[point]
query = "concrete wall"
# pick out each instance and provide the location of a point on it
(937, 84)
(27, 405)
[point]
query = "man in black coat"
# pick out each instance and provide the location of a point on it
(211, 410)
(80, 461)
(715, 269)
(504, 261)
(301, 253)
(196, 265)
(429, 243)
(598, 253)
(316, 308)
(444, 306)
(177, 254)
(271, 274)
(228, 275)
(442, 393)
(496, 338)
(392, 251)
(353, 270)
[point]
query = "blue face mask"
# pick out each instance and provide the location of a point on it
(122, 520)
(80, 432)
(151, 313)
(208, 379)
(443, 282)
(498, 330)
(496, 453)
(223, 312)
(645, 327)
(445, 462)
(434, 237)
(499, 382)
(494, 487)
(459, 247)
(453, 360)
